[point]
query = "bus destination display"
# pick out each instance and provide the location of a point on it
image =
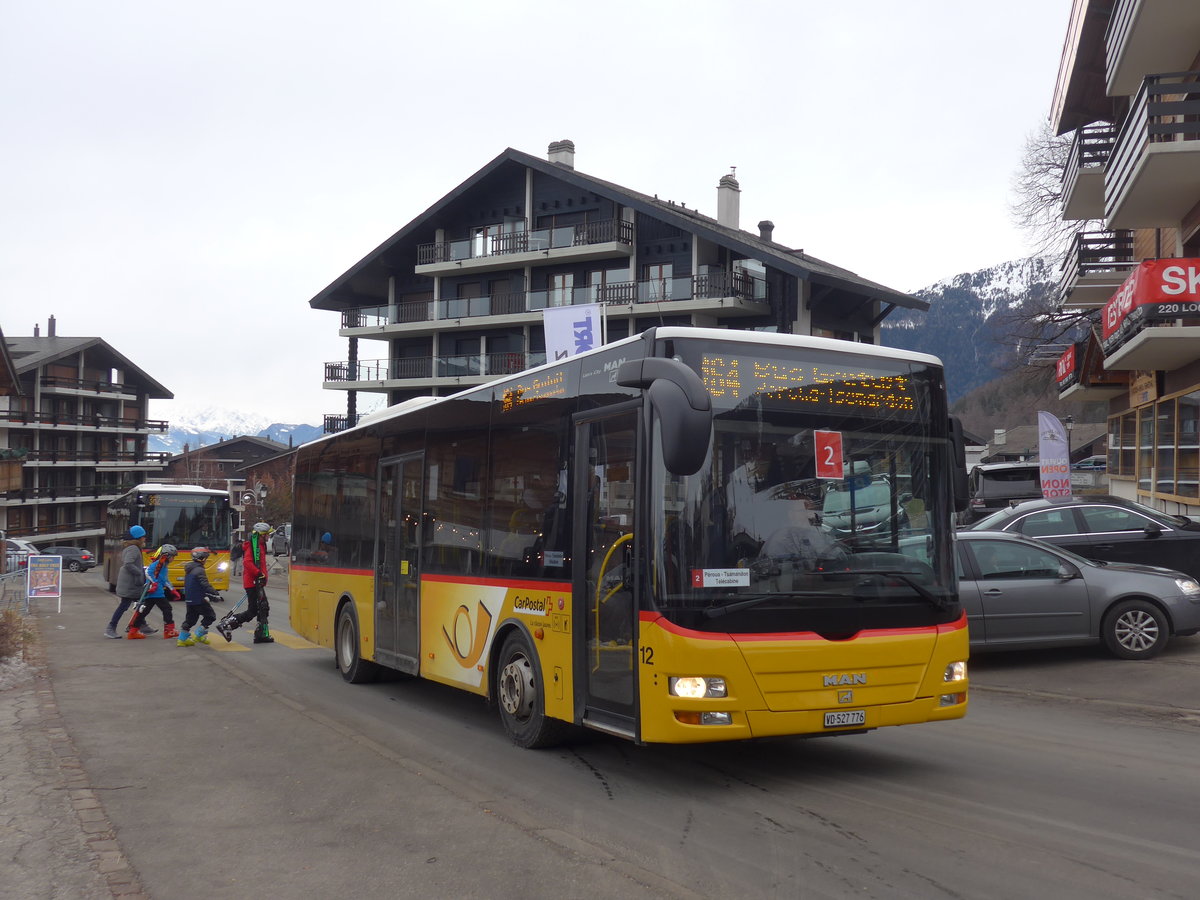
(734, 378)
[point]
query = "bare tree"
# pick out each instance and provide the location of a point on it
(1036, 208)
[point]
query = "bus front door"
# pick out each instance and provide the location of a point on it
(396, 557)
(603, 570)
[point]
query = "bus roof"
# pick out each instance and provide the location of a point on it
(662, 332)
(154, 487)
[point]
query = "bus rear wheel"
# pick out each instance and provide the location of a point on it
(350, 663)
(521, 697)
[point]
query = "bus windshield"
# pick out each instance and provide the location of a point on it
(817, 510)
(186, 520)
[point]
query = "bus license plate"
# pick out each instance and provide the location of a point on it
(845, 717)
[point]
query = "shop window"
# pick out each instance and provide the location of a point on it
(1164, 440)
(1145, 448)
(1187, 466)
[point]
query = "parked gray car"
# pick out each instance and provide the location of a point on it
(1020, 593)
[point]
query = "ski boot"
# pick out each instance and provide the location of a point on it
(200, 635)
(262, 635)
(170, 631)
(185, 639)
(225, 627)
(134, 634)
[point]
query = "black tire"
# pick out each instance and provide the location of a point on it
(353, 667)
(74, 565)
(521, 698)
(1135, 629)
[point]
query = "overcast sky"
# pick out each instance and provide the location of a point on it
(180, 179)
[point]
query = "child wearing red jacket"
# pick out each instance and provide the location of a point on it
(254, 580)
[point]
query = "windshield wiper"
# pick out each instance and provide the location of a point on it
(713, 612)
(907, 578)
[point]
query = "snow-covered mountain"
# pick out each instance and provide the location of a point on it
(970, 317)
(203, 427)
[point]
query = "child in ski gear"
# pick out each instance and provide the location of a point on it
(197, 591)
(254, 580)
(158, 593)
(131, 580)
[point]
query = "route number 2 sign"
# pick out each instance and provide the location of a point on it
(829, 454)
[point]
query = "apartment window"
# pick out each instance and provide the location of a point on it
(561, 290)
(658, 280)
(609, 285)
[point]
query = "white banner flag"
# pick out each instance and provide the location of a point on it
(571, 330)
(1054, 457)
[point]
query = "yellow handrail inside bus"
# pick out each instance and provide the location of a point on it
(599, 583)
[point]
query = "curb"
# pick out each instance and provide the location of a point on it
(56, 768)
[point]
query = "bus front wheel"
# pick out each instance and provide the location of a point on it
(350, 663)
(519, 692)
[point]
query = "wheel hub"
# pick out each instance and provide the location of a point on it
(516, 688)
(1136, 630)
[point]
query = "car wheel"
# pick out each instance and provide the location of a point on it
(74, 565)
(1135, 629)
(350, 663)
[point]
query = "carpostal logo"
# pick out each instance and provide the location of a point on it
(532, 606)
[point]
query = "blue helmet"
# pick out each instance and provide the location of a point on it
(327, 538)
(137, 531)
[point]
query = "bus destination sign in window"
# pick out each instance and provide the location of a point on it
(815, 385)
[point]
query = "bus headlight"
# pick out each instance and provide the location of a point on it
(696, 686)
(222, 566)
(956, 671)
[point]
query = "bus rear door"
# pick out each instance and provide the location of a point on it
(396, 562)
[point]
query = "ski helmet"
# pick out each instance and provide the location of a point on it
(262, 527)
(200, 554)
(137, 531)
(167, 550)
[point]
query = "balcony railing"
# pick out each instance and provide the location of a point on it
(97, 456)
(25, 417)
(85, 384)
(452, 366)
(364, 317)
(335, 423)
(712, 286)
(1089, 154)
(498, 240)
(1096, 253)
(67, 492)
(28, 531)
(1166, 110)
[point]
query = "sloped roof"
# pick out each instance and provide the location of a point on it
(28, 353)
(783, 258)
(9, 385)
(232, 444)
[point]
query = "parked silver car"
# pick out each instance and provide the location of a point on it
(1020, 593)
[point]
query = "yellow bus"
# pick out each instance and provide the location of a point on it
(185, 515)
(631, 540)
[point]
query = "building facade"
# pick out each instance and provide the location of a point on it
(457, 297)
(79, 426)
(1128, 91)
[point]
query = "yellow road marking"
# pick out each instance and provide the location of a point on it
(218, 643)
(294, 641)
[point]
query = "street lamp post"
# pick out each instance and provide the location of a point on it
(1069, 421)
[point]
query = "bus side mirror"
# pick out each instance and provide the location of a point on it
(958, 465)
(683, 407)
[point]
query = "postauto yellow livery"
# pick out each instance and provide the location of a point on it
(690, 535)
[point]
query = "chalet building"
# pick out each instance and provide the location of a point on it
(223, 466)
(457, 297)
(1129, 91)
(78, 423)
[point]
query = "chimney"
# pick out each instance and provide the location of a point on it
(562, 152)
(728, 201)
(765, 229)
(50, 327)
(999, 437)
(37, 331)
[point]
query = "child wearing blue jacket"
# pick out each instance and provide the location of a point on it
(158, 593)
(197, 591)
